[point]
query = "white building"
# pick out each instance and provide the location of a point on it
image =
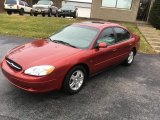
(84, 6)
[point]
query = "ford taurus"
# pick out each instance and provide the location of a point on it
(67, 59)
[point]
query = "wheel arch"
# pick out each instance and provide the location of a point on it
(86, 67)
(135, 50)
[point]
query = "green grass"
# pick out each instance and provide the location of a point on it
(42, 27)
(31, 27)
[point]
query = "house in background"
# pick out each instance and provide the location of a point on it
(116, 10)
(84, 7)
(121, 10)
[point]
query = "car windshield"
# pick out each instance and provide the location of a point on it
(43, 3)
(11, 2)
(68, 7)
(75, 35)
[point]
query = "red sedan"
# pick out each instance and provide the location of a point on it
(69, 57)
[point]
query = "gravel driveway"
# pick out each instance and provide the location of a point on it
(121, 93)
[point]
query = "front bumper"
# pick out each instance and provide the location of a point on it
(40, 11)
(70, 14)
(29, 83)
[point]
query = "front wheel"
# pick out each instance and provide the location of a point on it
(130, 58)
(9, 12)
(43, 14)
(74, 80)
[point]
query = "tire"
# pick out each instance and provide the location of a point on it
(64, 16)
(76, 15)
(35, 14)
(9, 12)
(129, 59)
(50, 13)
(43, 15)
(21, 12)
(56, 14)
(73, 82)
(31, 13)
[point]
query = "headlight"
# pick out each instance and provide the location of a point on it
(40, 70)
(59, 10)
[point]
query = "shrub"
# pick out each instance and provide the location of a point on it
(154, 17)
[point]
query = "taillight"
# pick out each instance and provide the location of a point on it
(17, 7)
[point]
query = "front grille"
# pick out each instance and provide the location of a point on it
(66, 11)
(13, 65)
(39, 8)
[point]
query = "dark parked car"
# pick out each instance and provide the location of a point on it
(68, 10)
(69, 57)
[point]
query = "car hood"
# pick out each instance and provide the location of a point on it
(40, 52)
(41, 6)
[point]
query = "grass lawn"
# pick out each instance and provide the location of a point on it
(42, 27)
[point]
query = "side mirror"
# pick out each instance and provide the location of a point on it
(102, 45)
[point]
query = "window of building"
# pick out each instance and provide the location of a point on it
(123, 4)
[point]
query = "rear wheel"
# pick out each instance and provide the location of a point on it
(31, 13)
(50, 13)
(21, 12)
(35, 14)
(9, 12)
(56, 14)
(130, 58)
(74, 80)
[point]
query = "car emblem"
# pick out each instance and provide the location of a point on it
(13, 65)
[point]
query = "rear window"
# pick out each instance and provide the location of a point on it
(11, 2)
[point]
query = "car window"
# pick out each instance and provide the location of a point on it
(122, 34)
(44, 3)
(21, 3)
(78, 36)
(107, 36)
(11, 2)
(68, 7)
(26, 4)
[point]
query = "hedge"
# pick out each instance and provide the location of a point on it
(154, 17)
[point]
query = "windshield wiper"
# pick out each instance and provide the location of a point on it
(64, 43)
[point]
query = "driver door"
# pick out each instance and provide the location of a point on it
(105, 57)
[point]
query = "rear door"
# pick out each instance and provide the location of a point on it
(27, 8)
(124, 43)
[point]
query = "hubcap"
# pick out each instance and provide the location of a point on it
(76, 80)
(131, 57)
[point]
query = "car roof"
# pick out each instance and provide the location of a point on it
(98, 24)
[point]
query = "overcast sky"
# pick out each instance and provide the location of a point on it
(82, 0)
